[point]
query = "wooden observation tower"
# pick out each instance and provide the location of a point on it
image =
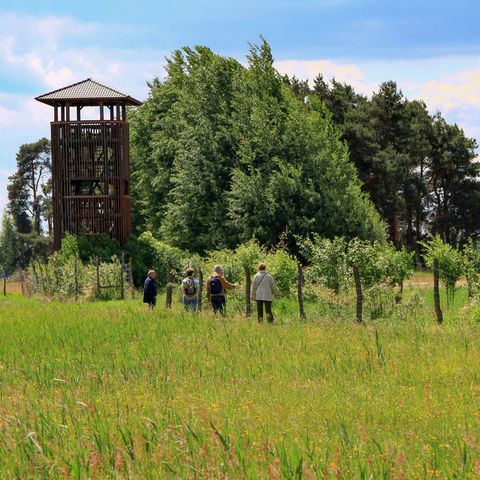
(90, 161)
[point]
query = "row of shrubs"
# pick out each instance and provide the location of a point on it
(81, 265)
(381, 268)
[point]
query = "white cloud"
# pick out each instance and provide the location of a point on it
(342, 72)
(50, 52)
(53, 52)
(27, 45)
(452, 92)
(456, 93)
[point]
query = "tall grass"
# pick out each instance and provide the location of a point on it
(110, 390)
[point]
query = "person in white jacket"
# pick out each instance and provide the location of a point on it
(263, 288)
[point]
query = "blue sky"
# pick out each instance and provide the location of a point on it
(432, 48)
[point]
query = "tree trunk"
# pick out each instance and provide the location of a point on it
(358, 289)
(169, 293)
(200, 290)
(300, 282)
(399, 294)
(410, 240)
(418, 237)
(469, 288)
(130, 278)
(5, 285)
(395, 234)
(436, 292)
(248, 287)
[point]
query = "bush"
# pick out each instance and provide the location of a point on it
(232, 266)
(471, 262)
(148, 253)
(283, 267)
(97, 245)
(328, 259)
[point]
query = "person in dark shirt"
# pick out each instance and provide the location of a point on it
(150, 289)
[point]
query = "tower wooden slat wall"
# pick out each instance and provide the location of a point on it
(90, 166)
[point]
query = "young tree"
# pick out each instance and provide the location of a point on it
(248, 255)
(449, 262)
(9, 249)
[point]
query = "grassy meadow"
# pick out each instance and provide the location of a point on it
(110, 390)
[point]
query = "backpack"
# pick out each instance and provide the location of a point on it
(189, 287)
(215, 286)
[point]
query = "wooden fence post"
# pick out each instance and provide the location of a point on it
(35, 275)
(5, 284)
(40, 267)
(76, 277)
(122, 277)
(47, 276)
(169, 292)
(97, 265)
(22, 282)
(130, 278)
(200, 290)
(436, 292)
(300, 282)
(358, 288)
(248, 287)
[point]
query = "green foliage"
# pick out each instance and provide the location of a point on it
(249, 255)
(450, 263)
(64, 275)
(328, 260)
(148, 253)
(283, 267)
(397, 264)
(97, 245)
(194, 261)
(232, 268)
(29, 187)
(34, 246)
(9, 246)
(222, 153)
(419, 171)
(367, 257)
(471, 260)
(381, 267)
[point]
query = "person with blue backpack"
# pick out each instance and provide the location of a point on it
(217, 286)
(190, 291)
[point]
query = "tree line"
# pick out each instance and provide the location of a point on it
(222, 152)
(420, 171)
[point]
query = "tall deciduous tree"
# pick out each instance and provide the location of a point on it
(28, 189)
(228, 152)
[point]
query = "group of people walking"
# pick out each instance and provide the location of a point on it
(263, 290)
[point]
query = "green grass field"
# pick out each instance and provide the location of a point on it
(109, 390)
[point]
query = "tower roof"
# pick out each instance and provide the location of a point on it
(86, 92)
